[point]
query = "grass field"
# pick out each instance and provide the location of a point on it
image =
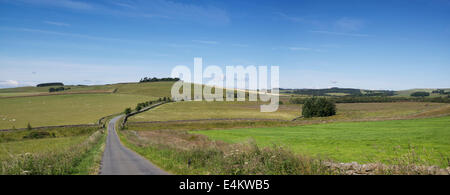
(154, 89)
(214, 110)
(407, 93)
(427, 140)
(63, 109)
(211, 110)
(75, 150)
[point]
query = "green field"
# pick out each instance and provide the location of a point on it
(70, 150)
(154, 89)
(211, 110)
(407, 93)
(214, 110)
(63, 109)
(382, 141)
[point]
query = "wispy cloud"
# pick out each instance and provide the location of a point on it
(154, 9)
(304, 49)
(83, 36)
(69, 4)
(339, 33)
(57, 23)
(298, 19)
(205, 42)
(123, 5)
(239, 45)
(348, 24)
(67, 71)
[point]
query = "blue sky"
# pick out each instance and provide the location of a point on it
(361, 44)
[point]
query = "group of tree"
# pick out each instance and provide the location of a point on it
(318, 107)
(420, 94)
(441, 91)
(348, 91)
(57, 89)
(154, 79)
(49, 84)
(142, 105)
(369, 99)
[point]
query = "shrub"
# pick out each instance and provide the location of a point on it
(38, 135)
(29, 126)
(127, 111)
(420, 94)
(138, 107)
(318, 107)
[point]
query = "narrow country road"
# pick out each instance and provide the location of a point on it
(119, 160)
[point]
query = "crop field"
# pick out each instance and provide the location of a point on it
(424, 141)
(63, 109)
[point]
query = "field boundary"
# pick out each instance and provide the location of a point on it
(49, 127)
(63, 93)
(125, 119)
(212, 119)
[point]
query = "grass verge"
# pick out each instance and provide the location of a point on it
(53, 156)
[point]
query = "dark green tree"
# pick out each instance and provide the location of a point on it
(420, 94)
(127, 111)
(318, 107)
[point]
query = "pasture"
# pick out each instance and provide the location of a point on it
(422, 141)
(63, 109)
(235, 110)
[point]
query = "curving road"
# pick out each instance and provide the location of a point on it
(119, 160)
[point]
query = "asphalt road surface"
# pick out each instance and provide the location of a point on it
(119, 160)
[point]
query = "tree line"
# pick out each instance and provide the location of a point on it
(353, 99)
(57, 89)
(154, 79)
(49, 84)
(441, 91)
(142, 105)
(349, 91)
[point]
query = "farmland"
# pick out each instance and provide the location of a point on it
(20, 106)
(363, 142)
(390, 133)
(74, 150)
(229, 110)
(63, 109)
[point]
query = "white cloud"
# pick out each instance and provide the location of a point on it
(304, 49)
(339, 33)
(348, 24)
(180, 10)
(9, 83)
(83, 36)
(239, 45)
(206, 42)
(69, 4)
(16, 71)
(297, 19)
(56, 23)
